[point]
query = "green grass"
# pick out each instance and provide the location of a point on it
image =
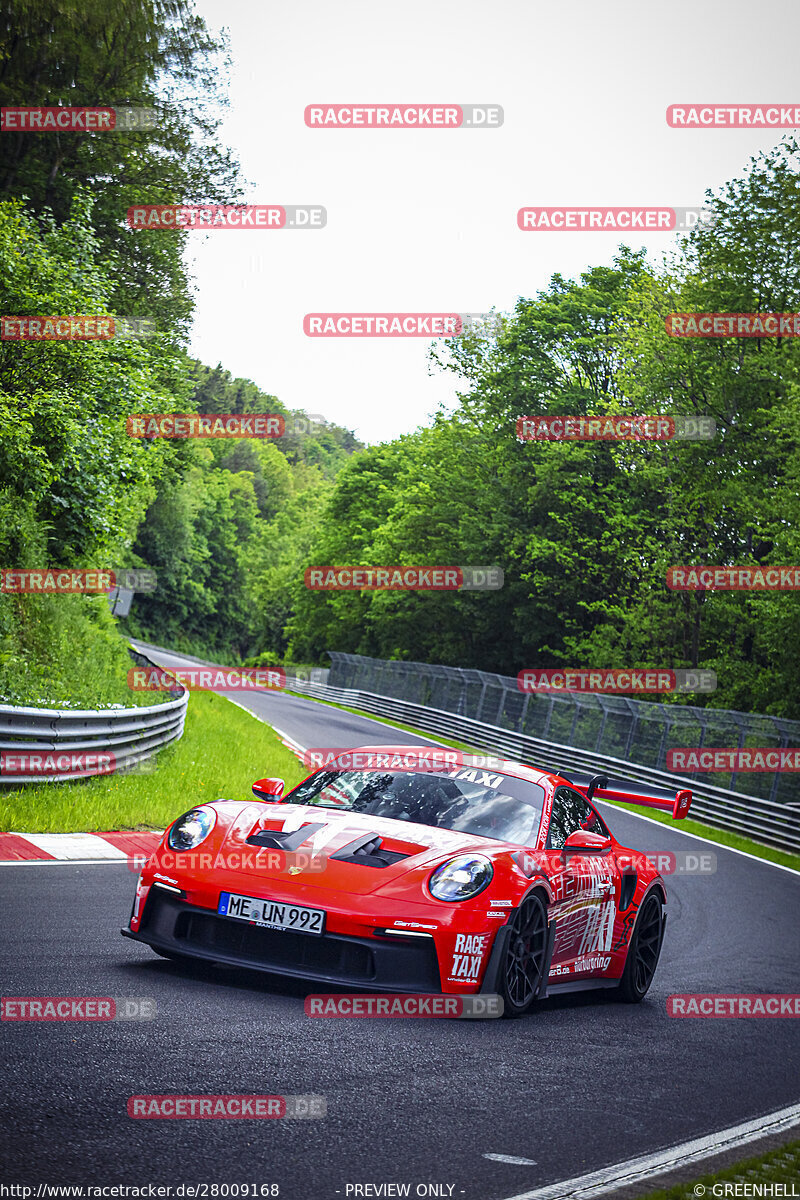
(722, 837)
(222, 751)
(781, 1165)
(64, 651)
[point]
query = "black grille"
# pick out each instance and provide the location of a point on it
(276, 947)
(386, 964)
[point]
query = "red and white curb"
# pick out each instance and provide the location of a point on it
(81, 849)
(86, 849)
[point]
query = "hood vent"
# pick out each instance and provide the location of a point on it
(367, 852)
(277, 839)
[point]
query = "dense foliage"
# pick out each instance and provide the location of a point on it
(585, 532)
(224, 523)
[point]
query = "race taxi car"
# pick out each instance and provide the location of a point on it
(404, 869)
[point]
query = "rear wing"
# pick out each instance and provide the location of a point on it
(600, 787)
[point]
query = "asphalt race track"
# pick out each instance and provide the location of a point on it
(582, 1083)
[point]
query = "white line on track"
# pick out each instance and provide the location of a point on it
(289, 742)
(510, 1158)
(635, 1170)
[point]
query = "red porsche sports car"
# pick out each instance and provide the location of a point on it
(429, 877)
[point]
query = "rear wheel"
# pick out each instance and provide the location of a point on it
(644, 951)
(521, 974)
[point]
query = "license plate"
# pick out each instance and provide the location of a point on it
(272, 914)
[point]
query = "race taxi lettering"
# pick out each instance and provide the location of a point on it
(468, 956)
(490, 781)
(599, 929)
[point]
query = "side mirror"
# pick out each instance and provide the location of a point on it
(268, 789)
(582, 839)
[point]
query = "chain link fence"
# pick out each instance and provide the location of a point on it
(637, 731)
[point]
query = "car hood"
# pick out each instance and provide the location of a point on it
(318, 853)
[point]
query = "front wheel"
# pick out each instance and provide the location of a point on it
(521, 973)
(643, 953)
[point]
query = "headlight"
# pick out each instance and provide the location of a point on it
(461, 878)
(191, 829)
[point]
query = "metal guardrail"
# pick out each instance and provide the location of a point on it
(764, 820)
(131, 735)
(614, 726)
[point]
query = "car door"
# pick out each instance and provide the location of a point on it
(584, 892)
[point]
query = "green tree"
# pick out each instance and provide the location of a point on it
(156, 54)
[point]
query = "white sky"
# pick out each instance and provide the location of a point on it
(426, 220)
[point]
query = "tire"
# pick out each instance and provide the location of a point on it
(520, 975)
(643, 952)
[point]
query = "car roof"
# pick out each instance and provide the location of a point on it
(503, 766)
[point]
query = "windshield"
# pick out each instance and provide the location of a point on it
(465, 800)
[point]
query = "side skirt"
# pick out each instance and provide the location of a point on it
(580, 985)
(551, 941)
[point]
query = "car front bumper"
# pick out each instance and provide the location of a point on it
(390, 963)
